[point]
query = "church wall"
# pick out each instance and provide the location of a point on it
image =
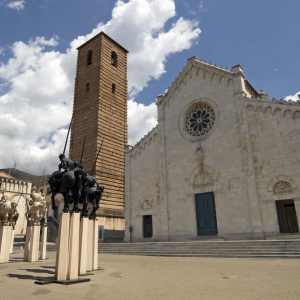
(142, 184)
(222, 152)
(275, 143)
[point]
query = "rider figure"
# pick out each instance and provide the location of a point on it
(66, 164)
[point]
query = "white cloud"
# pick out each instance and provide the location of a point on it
(275, 70)
(18, 5)
(141, 119)
(294, 98)
(2, 50)
(41, 80)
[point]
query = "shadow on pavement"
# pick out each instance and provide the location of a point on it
(37, 271)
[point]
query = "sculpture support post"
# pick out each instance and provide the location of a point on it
(62, 253)
(27, 242)
(44, 243)
(12, 241)
(7, 243)
(95, 245)
(3, 239)
(90, 248)
(74, 246)
(34, 243)
(83, 245)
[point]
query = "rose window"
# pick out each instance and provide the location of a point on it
(199, 120)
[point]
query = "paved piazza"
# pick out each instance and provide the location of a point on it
(142, 277)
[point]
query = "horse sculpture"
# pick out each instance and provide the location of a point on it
(77, 187)
(8, 208)
(36, 206)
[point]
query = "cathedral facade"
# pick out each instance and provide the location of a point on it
(223, 161)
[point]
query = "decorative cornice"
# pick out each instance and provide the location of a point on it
(209, 71)
(142, 142)
(282, 105)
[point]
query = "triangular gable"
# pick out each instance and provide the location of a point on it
(3, 174)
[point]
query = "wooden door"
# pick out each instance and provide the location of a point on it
(206, 214)
(147, 220)
(291, 218)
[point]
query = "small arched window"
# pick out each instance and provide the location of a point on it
(114, 59)
(113, 88)
(87, 88)
(89, 58)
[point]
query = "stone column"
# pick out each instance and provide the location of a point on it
(44, 242)
(62, 254)
(95, 245)
(83, 245)
(74, 246)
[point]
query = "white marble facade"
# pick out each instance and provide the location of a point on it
(249, 157)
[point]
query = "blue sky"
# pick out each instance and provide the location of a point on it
(38, 49)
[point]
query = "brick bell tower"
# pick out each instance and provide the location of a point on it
(100, 113)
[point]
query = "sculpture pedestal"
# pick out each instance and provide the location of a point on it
(44, 243)
(83, 245)
(7, 243)
(12, 241)
(95, 245)
(34, 243)
(62, 254)
(27, 242)
(74, 246)
(5, 234)
(90, 239)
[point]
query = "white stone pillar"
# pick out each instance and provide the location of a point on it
(95, 245)
(90, 240)
(27, 241)
(12, 241)
(74, 246)
(43, 243)
(7, 243)
(62, 254)
(83, 245)
(4, 233)
(34, 241)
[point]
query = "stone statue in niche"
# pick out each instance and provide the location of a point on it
(199, 154)
(282, 186)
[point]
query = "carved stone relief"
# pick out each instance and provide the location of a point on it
(281, 187)
(203, 178)
(147, 202)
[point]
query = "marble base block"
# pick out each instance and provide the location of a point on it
(12, 242)
(34, 244)
(74, 246)
(7, 243)
(83, 245)
(90, 242)
(95, 245)
(62, 254)
(27, 242)
(3, 239)
(44, 243)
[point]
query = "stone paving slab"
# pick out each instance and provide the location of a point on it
(142, 277)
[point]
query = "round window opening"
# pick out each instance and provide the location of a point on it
(200, 120)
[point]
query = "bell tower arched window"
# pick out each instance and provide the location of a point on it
(113, 88)
(89, 58)
(114, 59)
